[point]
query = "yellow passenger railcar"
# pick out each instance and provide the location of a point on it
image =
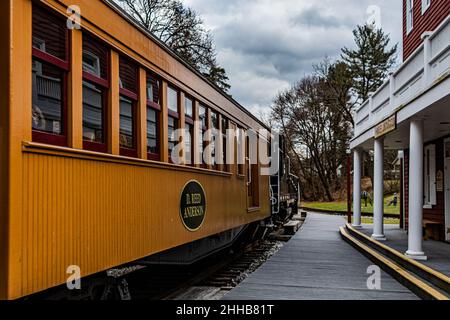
(85, 122)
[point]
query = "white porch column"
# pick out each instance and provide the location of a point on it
(378, 191)
(415, 191)
(357, 188)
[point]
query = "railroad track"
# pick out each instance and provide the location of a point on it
(208, 279)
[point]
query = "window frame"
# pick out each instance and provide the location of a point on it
(189, 120)
(104, 84)
(203, 129)
(226, 166)
(157, 108)
(174, 115)
(429, 177)
(215, 126)
(409, 16)
(134, 97)
(64, 67)
(426, 4)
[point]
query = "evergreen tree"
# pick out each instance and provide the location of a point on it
(371, 61)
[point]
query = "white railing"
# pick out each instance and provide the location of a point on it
(419, 72)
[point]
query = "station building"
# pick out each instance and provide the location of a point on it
(410, 112)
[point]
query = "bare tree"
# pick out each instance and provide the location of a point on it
(182, 30)
(317, 134)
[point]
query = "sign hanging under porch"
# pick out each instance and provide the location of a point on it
(388, 125)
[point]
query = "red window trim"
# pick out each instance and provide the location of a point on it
(96, 80)
(125, 152)
(45, 57)
(173, 114)
(95, 146)
(48, 138)
(129, 94)
(189, 120)
(153, 156)
(153, 105)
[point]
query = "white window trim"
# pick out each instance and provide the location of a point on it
(425, 5)
(409, 16)
(429, 182)
(95, 69)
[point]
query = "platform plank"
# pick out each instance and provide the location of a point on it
(317, 265)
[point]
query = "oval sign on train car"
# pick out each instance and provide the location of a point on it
(193, 205)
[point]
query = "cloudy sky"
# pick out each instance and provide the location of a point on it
(265, 45)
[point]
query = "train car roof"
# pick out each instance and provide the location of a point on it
(116, 7)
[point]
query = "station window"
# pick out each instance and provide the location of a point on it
(174, 116)
(425, 5)
(153, 116)
(50, 66)
(189, 130)
(202, 118)
(95, 90)
(409, 16)
(128, 105)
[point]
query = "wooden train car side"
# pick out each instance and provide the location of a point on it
(65, 205)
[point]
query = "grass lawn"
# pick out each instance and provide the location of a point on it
(342, 206)
(365, 220)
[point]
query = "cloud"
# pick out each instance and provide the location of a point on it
(266, 45)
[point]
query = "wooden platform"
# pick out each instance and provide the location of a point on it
(438, 253)
(317, 265)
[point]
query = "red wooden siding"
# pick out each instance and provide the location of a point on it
(437, 213)
(432, 18)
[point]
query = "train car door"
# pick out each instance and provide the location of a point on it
(447, 188)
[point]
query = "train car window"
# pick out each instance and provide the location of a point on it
(174, 124)
(215, 126)
(204, 126)
(128, 105)
(240, 151)
(50, 67)
(189, 107)
(252, 177)
(50, 33)
(153, 116)
(153, 91)
(128, 75)
(172, 100)
(126, 123)
(202, 116)
(95, 89)
(93, 114)
(189, 133)
(95, 57)
(152, 134)
(189, 130)
(225, 143)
